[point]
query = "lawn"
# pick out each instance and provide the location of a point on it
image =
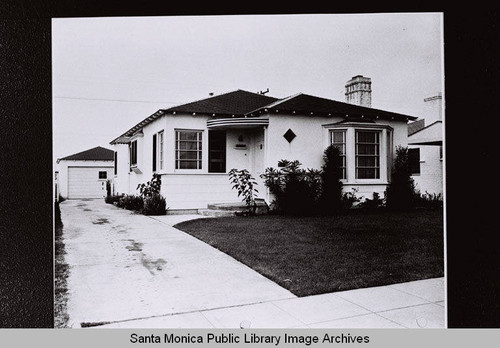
(319, 254)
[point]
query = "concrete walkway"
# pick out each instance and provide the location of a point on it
(139, 272)
(127, 266)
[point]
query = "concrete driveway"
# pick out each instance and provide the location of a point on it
(126, 266)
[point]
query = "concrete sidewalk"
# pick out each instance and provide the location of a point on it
(418, 304)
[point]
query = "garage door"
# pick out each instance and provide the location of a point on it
(88, 182)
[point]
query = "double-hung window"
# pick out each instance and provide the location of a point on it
(367, 154)
(158, 151)
(338, 139)
(188, 147)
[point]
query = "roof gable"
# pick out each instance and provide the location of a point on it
(95, 154)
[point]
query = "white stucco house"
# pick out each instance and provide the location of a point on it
(425, 143)
(193, 146)
(84, 174)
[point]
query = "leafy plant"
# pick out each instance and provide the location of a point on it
(400, 192)
(349, 199)
(245, 184)
(374, 203)
(151, 187)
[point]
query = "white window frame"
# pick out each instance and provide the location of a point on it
(159, 150)
(198, 150)
(377, 154)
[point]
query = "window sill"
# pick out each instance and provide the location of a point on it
(362, 182)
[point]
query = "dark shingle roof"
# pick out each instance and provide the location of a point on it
(415, 126)
(240, 103)
(236, 103)
(305, 104)
(95, 154)
(233, 103)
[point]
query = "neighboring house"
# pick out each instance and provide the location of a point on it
(425, 143)
(193, 146)
(84, 174)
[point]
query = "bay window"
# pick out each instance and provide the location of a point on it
(338, 139)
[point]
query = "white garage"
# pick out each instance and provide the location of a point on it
(84, 175)
(88, 182)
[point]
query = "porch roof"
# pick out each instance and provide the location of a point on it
(237, 122)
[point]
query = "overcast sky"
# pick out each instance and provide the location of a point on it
(111, 73)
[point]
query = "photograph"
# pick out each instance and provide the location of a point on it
(249, 171)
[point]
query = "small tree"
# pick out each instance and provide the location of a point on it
(245, 184)
(400, 192)
(331, 195)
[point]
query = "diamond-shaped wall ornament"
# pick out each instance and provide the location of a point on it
(289, 135)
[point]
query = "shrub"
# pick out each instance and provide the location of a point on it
(154, 204)
(349, 199)
(372, 204)
(245, 184)
(108, 188)
(112, 199)
(131, 202)
(331, 193)
(296, 190)
(429, 200)
(400, 192)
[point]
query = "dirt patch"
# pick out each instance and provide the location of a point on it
(100, 221)
(136, 246)
(87, 209)
(153, 265)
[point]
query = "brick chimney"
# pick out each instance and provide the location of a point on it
(358, 91)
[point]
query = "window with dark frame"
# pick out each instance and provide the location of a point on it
(188, 149)
(115, 162)
(103, 175)
(367, 154)
(338, 139)
(414, 161)
(216, 151)
(133, 153)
